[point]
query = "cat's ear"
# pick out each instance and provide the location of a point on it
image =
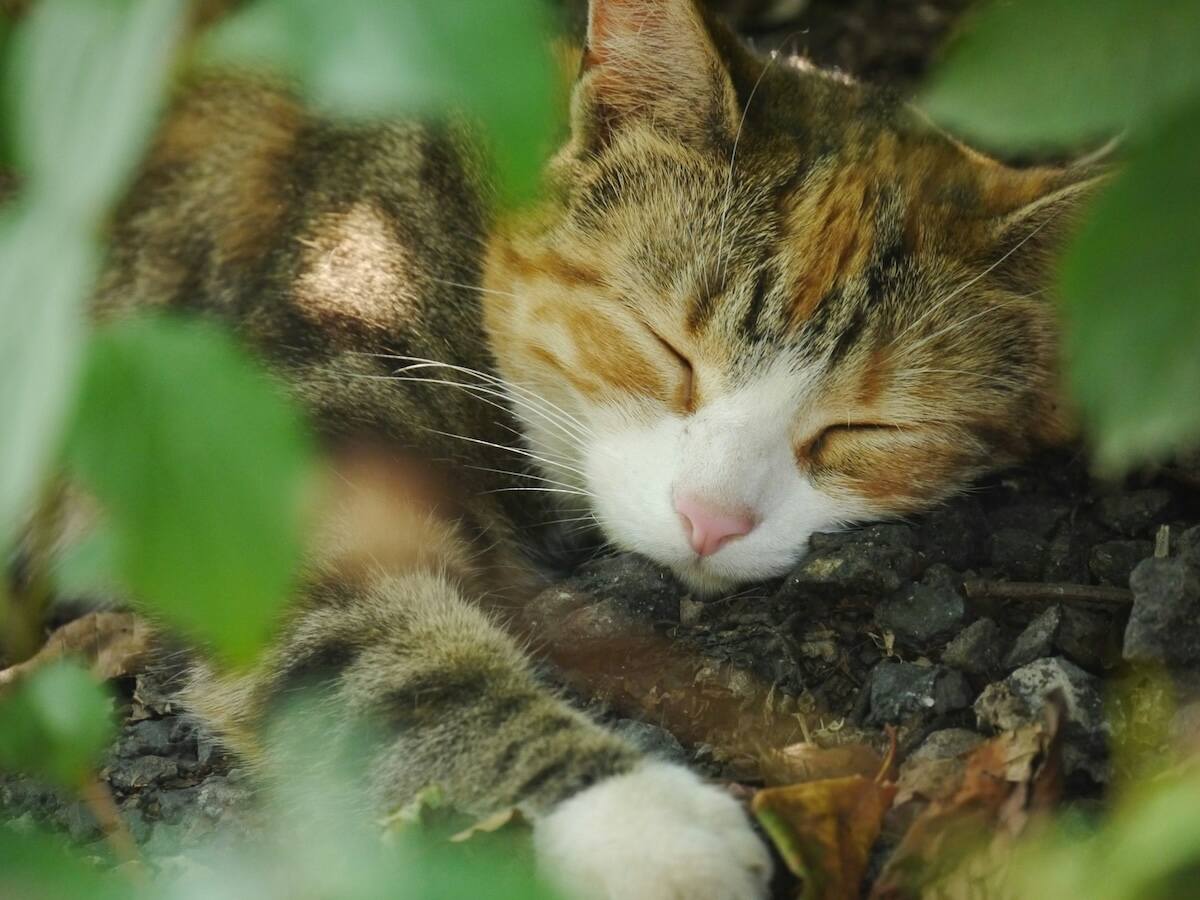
(1028, 238)
(652, 62)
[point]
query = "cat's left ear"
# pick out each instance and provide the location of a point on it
(654, 63)
(1028, 238)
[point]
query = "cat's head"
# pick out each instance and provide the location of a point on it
(765, 301)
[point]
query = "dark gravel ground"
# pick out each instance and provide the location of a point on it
(950, 626)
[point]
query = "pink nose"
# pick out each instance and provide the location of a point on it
(709, 528)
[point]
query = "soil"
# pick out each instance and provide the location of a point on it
(948, 626)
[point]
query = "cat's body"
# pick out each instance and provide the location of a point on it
(756, 301)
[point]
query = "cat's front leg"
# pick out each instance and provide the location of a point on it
(655, 833)
(457, 705)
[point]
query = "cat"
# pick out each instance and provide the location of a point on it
(754, 301)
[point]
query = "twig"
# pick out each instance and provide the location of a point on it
(1162, 542)
(99, 799)
(1036, 592)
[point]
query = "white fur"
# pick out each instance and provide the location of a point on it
(657, 833)
(736, 452)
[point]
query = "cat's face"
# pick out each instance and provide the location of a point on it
(764, 302)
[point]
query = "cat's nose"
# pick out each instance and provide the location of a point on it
(709, 527)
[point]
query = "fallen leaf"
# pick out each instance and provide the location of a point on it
(959, 838)
(111, 644)
(812, 762)
(825, 829)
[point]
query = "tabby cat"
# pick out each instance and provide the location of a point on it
(755, 301)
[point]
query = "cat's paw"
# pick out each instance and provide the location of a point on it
(657, 833)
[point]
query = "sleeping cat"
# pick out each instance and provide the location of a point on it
(755, 301)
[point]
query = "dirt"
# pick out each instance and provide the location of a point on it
(951, 625)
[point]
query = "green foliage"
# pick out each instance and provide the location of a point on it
(55, 725)
(1038, 72)
(1050, 72)
(1131, 283)
(372, 58)
(35, 867)
(82, 79)
(201, 465)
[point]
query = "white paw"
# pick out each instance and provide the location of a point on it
(658, 833)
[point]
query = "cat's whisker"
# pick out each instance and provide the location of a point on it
(532, 477)
(971, 282)
(959, 324)
(474, 287)
(721, 259)
(507, 490)
(517, 450)
(495, 380)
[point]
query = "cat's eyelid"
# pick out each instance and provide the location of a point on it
(687, 400)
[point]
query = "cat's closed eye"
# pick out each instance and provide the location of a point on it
(812, 448)
(686, 394)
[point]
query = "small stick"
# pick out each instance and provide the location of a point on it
(99, 800)
(1030, 591)
(1162, 542)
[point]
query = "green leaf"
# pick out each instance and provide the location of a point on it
(201, 463)
(85, 79)
(379, 58)
(1131, 285)
(45, 271)
(1037, 72)
(55, 725)
(37, 867)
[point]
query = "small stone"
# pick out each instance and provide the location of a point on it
(80, 823)
(1164, 625)
(946, 743)
(900, 691)
(925, 613)
(977, 649)
(1135, 512)
(152, 736)
(691, 612)
(651, 740)
(142, 771)
(1187, 546)
(872, 562)
(1037, 640)
(1019, 699)
(1087, 638)
(1112, 562)
(217, 794)
(1017, 553)
(647, 591)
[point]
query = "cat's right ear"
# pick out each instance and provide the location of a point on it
(652, 63)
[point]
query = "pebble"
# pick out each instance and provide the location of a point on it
(977, 649)
(900, 691)
(872, 562)
(1037, 640)
(651, 740)
(1019, 699)
(1112, 562)
(925, 613)
(1135, 513)
(1164, 624)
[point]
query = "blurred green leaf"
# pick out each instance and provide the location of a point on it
(1037, 72)
(44, 273)
(37, 867)
(201, 463)
(55, 725)
(377, 58)
(84, 82)
(1131, 284)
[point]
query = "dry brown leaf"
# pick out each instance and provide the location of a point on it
(112, 644)
(825, 829)
(1008, 781)
(812, 762)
